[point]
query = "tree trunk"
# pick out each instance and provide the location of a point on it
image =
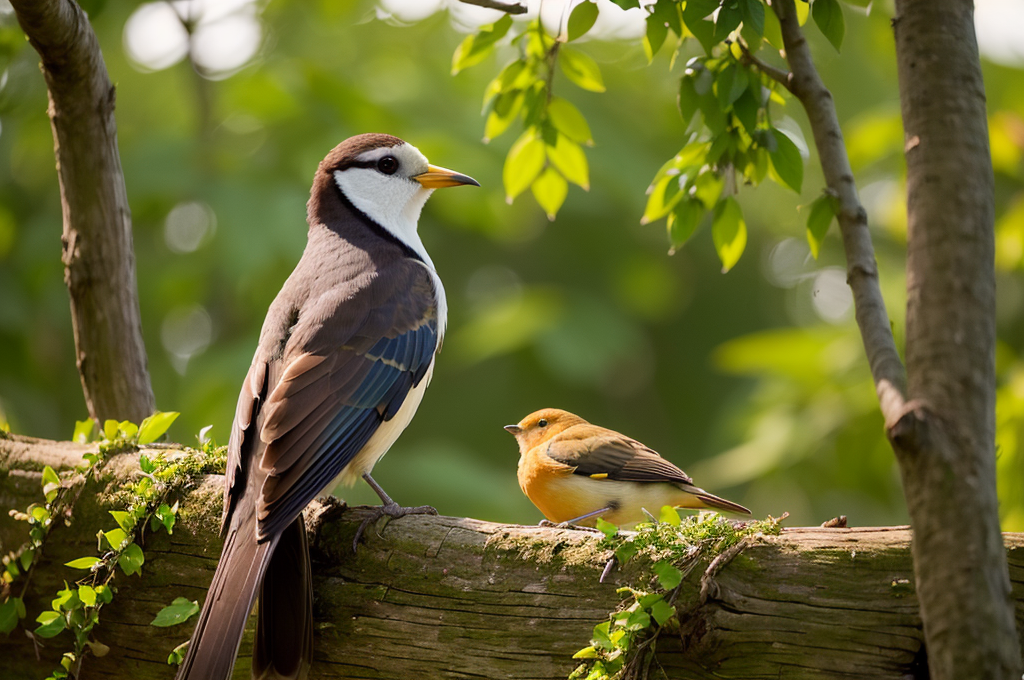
(99, 260)
(444, 597)
(945, 440)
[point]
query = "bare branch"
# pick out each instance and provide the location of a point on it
(777, 74)
(861, 269)
(507, 7)
(99, 260)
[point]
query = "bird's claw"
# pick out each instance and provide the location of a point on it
(392, 511)
(566, 525)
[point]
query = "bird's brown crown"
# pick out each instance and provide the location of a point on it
(347, 153)
(541, 425)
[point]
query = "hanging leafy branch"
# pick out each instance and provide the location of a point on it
(725, 102)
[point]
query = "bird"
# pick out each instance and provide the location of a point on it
(576, 472)
(344, 356)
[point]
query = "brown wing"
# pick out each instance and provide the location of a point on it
(612, 454)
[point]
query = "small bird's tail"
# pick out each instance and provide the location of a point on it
(218, 633)
(283, 649)
(712, 501)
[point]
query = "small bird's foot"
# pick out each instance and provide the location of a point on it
(566, 525)
(392, 510)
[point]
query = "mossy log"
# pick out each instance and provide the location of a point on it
(445, 597)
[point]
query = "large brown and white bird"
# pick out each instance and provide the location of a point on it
(345, 354)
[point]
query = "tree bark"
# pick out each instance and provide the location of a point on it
(444, 597)
(945, 440)
(99, 260)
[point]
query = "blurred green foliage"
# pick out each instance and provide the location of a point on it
(754, 382)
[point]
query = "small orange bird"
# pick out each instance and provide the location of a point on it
(574, 472)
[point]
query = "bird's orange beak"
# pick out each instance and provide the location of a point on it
(438, 178)
(514, 429)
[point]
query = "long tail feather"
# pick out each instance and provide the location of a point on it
(284, 633)
(218, 633)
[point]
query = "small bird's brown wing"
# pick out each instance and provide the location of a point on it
(615, 456)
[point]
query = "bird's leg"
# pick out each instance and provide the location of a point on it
(388, 508)
(571, 524)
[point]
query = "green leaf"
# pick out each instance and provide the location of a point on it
(115, 538)
(582, 19)
(662, 611)
(681, 224)
(638, 620)
(550, 190)
(773, 30)
(708, 188)
(669, 515)
(568, 120)
(625, 552)
(729, 232)
(82, 563)
(87, 594)
(828, 14)
(586, 653)
(627, 4)
(127, 429)
(51, 624)
(153, 427)
(688, 100)
(694, 15)
(51, 484)
(753, 15)
(654, 37)
(123, 519)
(83, 431)
(131, 559)
(476, 47)
(668, 575)
(729, 17)
(105, 594)
(787, 161)
(179, 611)
(818, 221)
(145, 464)
(607, 528)
(9, 614)
(662, 197)
(524, 162)
(166, 515)
(177, 654)
(568, 157)
(26, 557)
(506, 108)
(746, 107)
(110, 430)
(581, 69)
(731, 83)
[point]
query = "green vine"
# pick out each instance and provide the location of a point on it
(146, 504)
(622, 648)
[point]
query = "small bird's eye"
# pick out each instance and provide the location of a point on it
(542, 423)
(388, 165)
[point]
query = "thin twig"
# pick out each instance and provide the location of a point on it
(507, 7)
(777, 74)
(887, 369)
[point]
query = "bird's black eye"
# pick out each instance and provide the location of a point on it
(542, 423)
(388, 165)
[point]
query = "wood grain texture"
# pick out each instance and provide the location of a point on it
(445, 597)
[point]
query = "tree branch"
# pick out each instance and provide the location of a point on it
(99, 260)
(777, 74)
(507, 7)
(861, 269)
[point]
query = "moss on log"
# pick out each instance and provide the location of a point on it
(449, 597)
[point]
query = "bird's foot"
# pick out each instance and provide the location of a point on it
(391, 510)
(567, 525)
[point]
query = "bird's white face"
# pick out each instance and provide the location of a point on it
(384, 188)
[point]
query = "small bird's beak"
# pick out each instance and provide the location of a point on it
(438, 178)
(514, 429)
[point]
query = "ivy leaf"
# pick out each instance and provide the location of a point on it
(550, 190)
(581, 69)
(9, 614)
(51, 484)
(179, 611)
(127, 429)
(787, 161)
(524, 162)
(818, 221)
(131, 560)
(177, 655)
(729, 232)
(668, 575)
(638, 620)
(110, 430)
(828, 14)
(50, 624)
(582, 19)
(607, 528)
(115, 538)
(568, 120)
(145, 464)
(662, 611)
(669, 515)
(87, 594)
(165, 516)
(568, 157)
(82, 563)
(154, 427)
(123, 519)
(476, 47)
